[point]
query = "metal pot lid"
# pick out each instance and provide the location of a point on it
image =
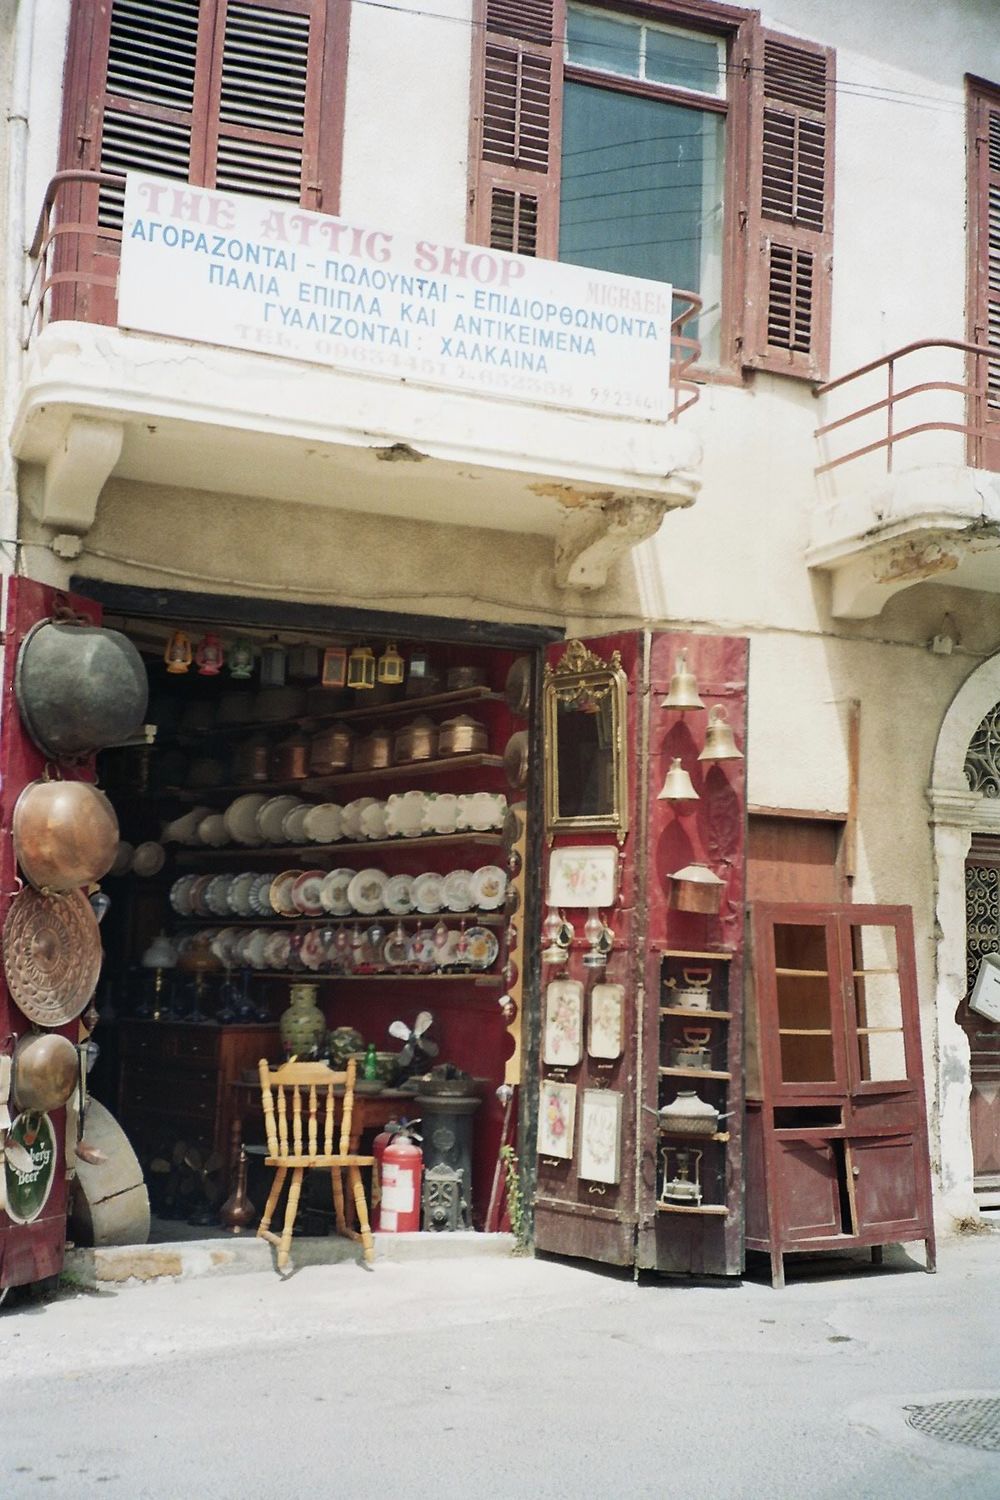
(79, 688)
(51, 955)
(46, 1070)
(517, 689)
(516, 758)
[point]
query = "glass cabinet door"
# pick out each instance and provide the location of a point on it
(807, 1044)
(878, 981)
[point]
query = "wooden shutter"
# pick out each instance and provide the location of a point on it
(984, 268)
(240, 94)
(517, 125)
(789, 221)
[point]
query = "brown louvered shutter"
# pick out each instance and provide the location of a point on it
(517, 125)
(984, 267)
(789, 223)
(240, 94)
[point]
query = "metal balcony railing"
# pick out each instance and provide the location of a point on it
(73, 273)
(974, 389)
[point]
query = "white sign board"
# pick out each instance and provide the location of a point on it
(257, 273)
(985, 997)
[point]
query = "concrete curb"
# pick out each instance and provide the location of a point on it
(187, 1259)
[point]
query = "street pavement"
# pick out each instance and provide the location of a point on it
(506, 1377)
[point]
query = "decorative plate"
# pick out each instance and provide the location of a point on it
(373, 824)
(276, 950)
(333, 892)
(428, 894)
(217, 895)
(306, 893)
(405, 814)
(239, 893)
(398, 895)
(456, 889)
(295, 823)
(452, 952)
(489, 886)
(241, 818)
(254, 947)
(199, 905)
(271, 817)
(312, 950)
(223, 945)
(396, 949)
(481, 810)
(351, 817)
(180, 895)
(440, 812)
(281, 892)
(51, 955)
(481, 947)
(212, 831)
(260, 896)
(366, 891)
(324, 824)
(423, 949)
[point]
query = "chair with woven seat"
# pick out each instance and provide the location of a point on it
(300, 1108)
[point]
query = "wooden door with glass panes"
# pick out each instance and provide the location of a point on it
(837, 1137)
(982, 918)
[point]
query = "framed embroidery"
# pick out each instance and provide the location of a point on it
(607, 1021)
(556, 1119)
(601, 1135)
(563, 1041)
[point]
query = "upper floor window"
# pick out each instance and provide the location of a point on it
(674, 141)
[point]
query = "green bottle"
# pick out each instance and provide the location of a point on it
(369, 1070)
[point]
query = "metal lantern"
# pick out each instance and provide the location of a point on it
(677, 785)
(209, 656)
(273, 662)
(391, 666)
(177, 653)
(240, 659)
(334, 670)
(361, 668)
(683, 695)
(719, 742)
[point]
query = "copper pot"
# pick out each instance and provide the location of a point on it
(373, 752)
(65, 834)
(79, 687)
(330, 750)
(251, 760)
(459, 678)
(290, 758)
(416, 741)
(462, 736)
(45, 1071)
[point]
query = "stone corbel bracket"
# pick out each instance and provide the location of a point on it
(592, 537)
(77, 471)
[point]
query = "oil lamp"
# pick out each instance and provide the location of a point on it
(361, 668)
(273, 662)
(209, 655)
(177, 653)
(391, 666)
(334, 669)
(240, 659)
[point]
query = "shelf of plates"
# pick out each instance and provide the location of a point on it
(448, 765)
(692, 1173)
(408, 919)
(322, 853)
(401, 708)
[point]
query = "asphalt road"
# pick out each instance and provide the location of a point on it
(505, 1377)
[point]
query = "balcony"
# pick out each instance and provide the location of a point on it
(909, 482)
(98, 401)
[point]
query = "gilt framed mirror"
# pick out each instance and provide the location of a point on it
(586, 775)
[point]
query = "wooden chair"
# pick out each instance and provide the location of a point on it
(300, 1124)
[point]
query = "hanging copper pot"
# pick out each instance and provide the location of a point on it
(65, 834)
(51, 955)
(79, 688)
(45, 1071)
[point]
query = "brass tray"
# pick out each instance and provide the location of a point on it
(51, 955)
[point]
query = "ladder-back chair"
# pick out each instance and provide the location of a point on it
(300, 1109)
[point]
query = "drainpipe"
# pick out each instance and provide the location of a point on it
(14, 266)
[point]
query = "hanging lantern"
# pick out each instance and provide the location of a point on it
(334, 672)
(361, 668)
(719, 742)
(177, 653)
(303, 662)
(677, 785)
(273, 660)
(683, 695)
(391, 666)
(239, 659)
(209, 656)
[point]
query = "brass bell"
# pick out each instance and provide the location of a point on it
(677, 785)
(683, 694)
(719, 742)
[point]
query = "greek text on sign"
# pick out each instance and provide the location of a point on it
(260, 274)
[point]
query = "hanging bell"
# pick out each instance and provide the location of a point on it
(719, 742)
(683, 695)
(677, 786)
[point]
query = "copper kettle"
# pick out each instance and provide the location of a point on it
(65, 834)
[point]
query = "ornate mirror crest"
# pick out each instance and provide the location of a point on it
(586, 776)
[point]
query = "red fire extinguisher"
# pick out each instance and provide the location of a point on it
(402, 1170)
(379, 1145)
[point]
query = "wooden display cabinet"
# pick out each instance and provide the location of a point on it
(837, 1152)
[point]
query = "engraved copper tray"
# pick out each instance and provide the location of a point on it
(51, 955)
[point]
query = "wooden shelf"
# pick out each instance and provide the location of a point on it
(433, 976)
(695, 1015)
(684, 1208)
(419, 768)
(692, 1073)
(398, 708)
(384, 919)
(688, 1135)
(721, 957)
(324, 852)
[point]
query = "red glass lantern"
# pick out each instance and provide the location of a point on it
(210, 656)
